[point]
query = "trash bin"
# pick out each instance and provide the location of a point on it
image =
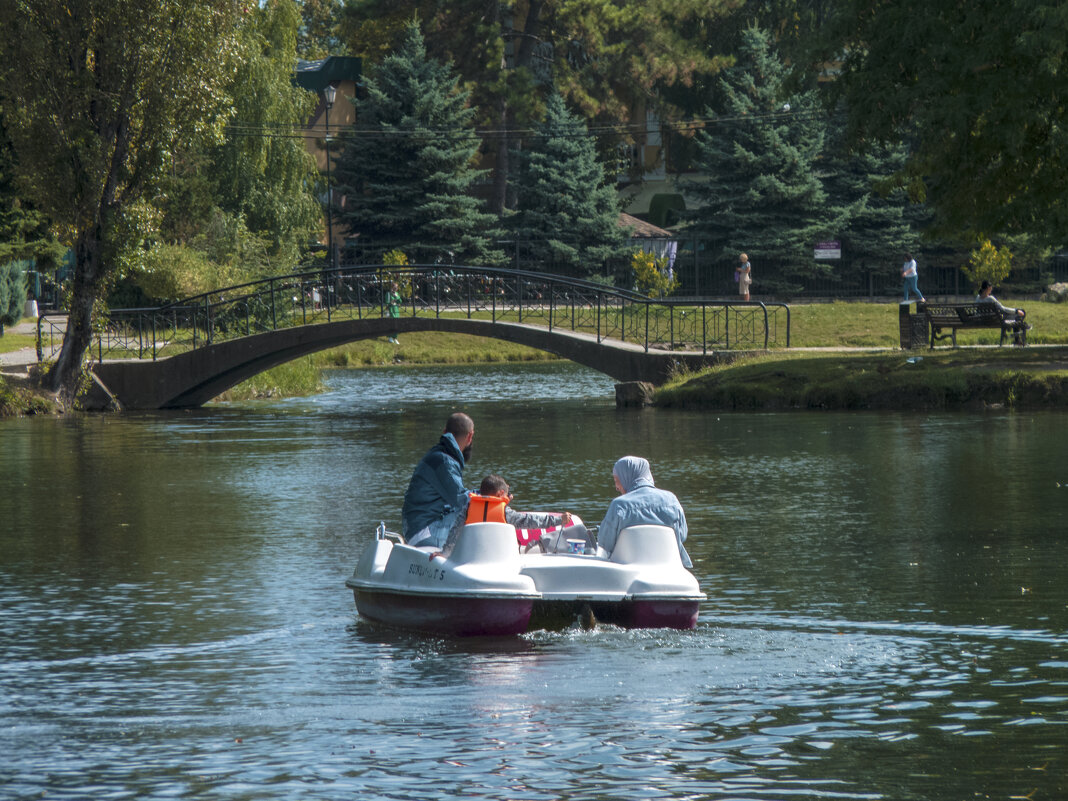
(31, 309)
(912, 327)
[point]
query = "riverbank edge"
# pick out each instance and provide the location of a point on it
(23, 396)
(962, 379)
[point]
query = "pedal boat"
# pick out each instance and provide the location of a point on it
(488, 587)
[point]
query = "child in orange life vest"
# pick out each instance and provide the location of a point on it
(490, 504)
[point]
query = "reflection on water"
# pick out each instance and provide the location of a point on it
(887, 614)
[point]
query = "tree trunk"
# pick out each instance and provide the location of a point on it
(524, 53)
(66, 372)
(501, 166)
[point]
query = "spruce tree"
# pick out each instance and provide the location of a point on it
(566, 213)
(762, 194)
(877, 226)
(406, 168)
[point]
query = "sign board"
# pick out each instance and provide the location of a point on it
(828, 250)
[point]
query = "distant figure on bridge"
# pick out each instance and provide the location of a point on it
(640, 504)
(393, 304)
(743, 274)
(436, 494)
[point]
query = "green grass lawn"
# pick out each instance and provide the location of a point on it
(428, 347)
(875, 325)
(11, 342)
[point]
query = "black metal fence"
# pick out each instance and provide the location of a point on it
(492, 294)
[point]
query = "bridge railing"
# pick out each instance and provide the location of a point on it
(494, 294)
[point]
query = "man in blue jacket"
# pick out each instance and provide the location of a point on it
(436, 494)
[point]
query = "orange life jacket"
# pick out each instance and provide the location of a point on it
(481, 509)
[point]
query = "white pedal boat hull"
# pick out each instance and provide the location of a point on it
(487, 587)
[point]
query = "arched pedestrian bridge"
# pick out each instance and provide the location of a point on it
(187, 353)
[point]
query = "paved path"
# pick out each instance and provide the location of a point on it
(19, 360)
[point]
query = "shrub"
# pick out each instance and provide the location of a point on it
(1057, 293)
(988, 263)
(12, 293)
(651, 275)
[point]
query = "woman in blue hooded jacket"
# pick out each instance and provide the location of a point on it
(641, 504)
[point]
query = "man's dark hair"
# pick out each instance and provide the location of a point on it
(459, 424)
(492, 484)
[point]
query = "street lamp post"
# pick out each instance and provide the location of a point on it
(329, 93)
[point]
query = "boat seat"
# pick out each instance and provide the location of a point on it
(486, 542)
(648, 545)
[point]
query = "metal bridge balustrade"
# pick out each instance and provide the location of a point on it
(498, 295)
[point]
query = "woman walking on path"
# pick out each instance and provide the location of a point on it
(908, 272)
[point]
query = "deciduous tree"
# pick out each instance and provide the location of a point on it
(983, 87)
(97, 95)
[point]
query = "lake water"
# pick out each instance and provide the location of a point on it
(887, 613)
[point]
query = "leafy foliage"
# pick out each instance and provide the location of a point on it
(604, 56)
(24, 230)
(266, 179)
(318, 35)
(407, 168)
(565, 208)
(981, 87)
(247, 207)
(988, 263)
(103, 94)
(651, 275)
(395, 258)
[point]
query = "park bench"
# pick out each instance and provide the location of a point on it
(950, 317)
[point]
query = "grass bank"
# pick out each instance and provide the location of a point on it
(20, 398)
(914, 380)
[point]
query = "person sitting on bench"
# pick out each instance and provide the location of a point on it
(985, 296)
(1010, 315)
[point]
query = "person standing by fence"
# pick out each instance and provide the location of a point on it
(393, 304)
(743, 274)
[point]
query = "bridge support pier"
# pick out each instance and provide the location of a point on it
(634, 394)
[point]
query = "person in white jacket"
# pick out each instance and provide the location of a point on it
(911, 276)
